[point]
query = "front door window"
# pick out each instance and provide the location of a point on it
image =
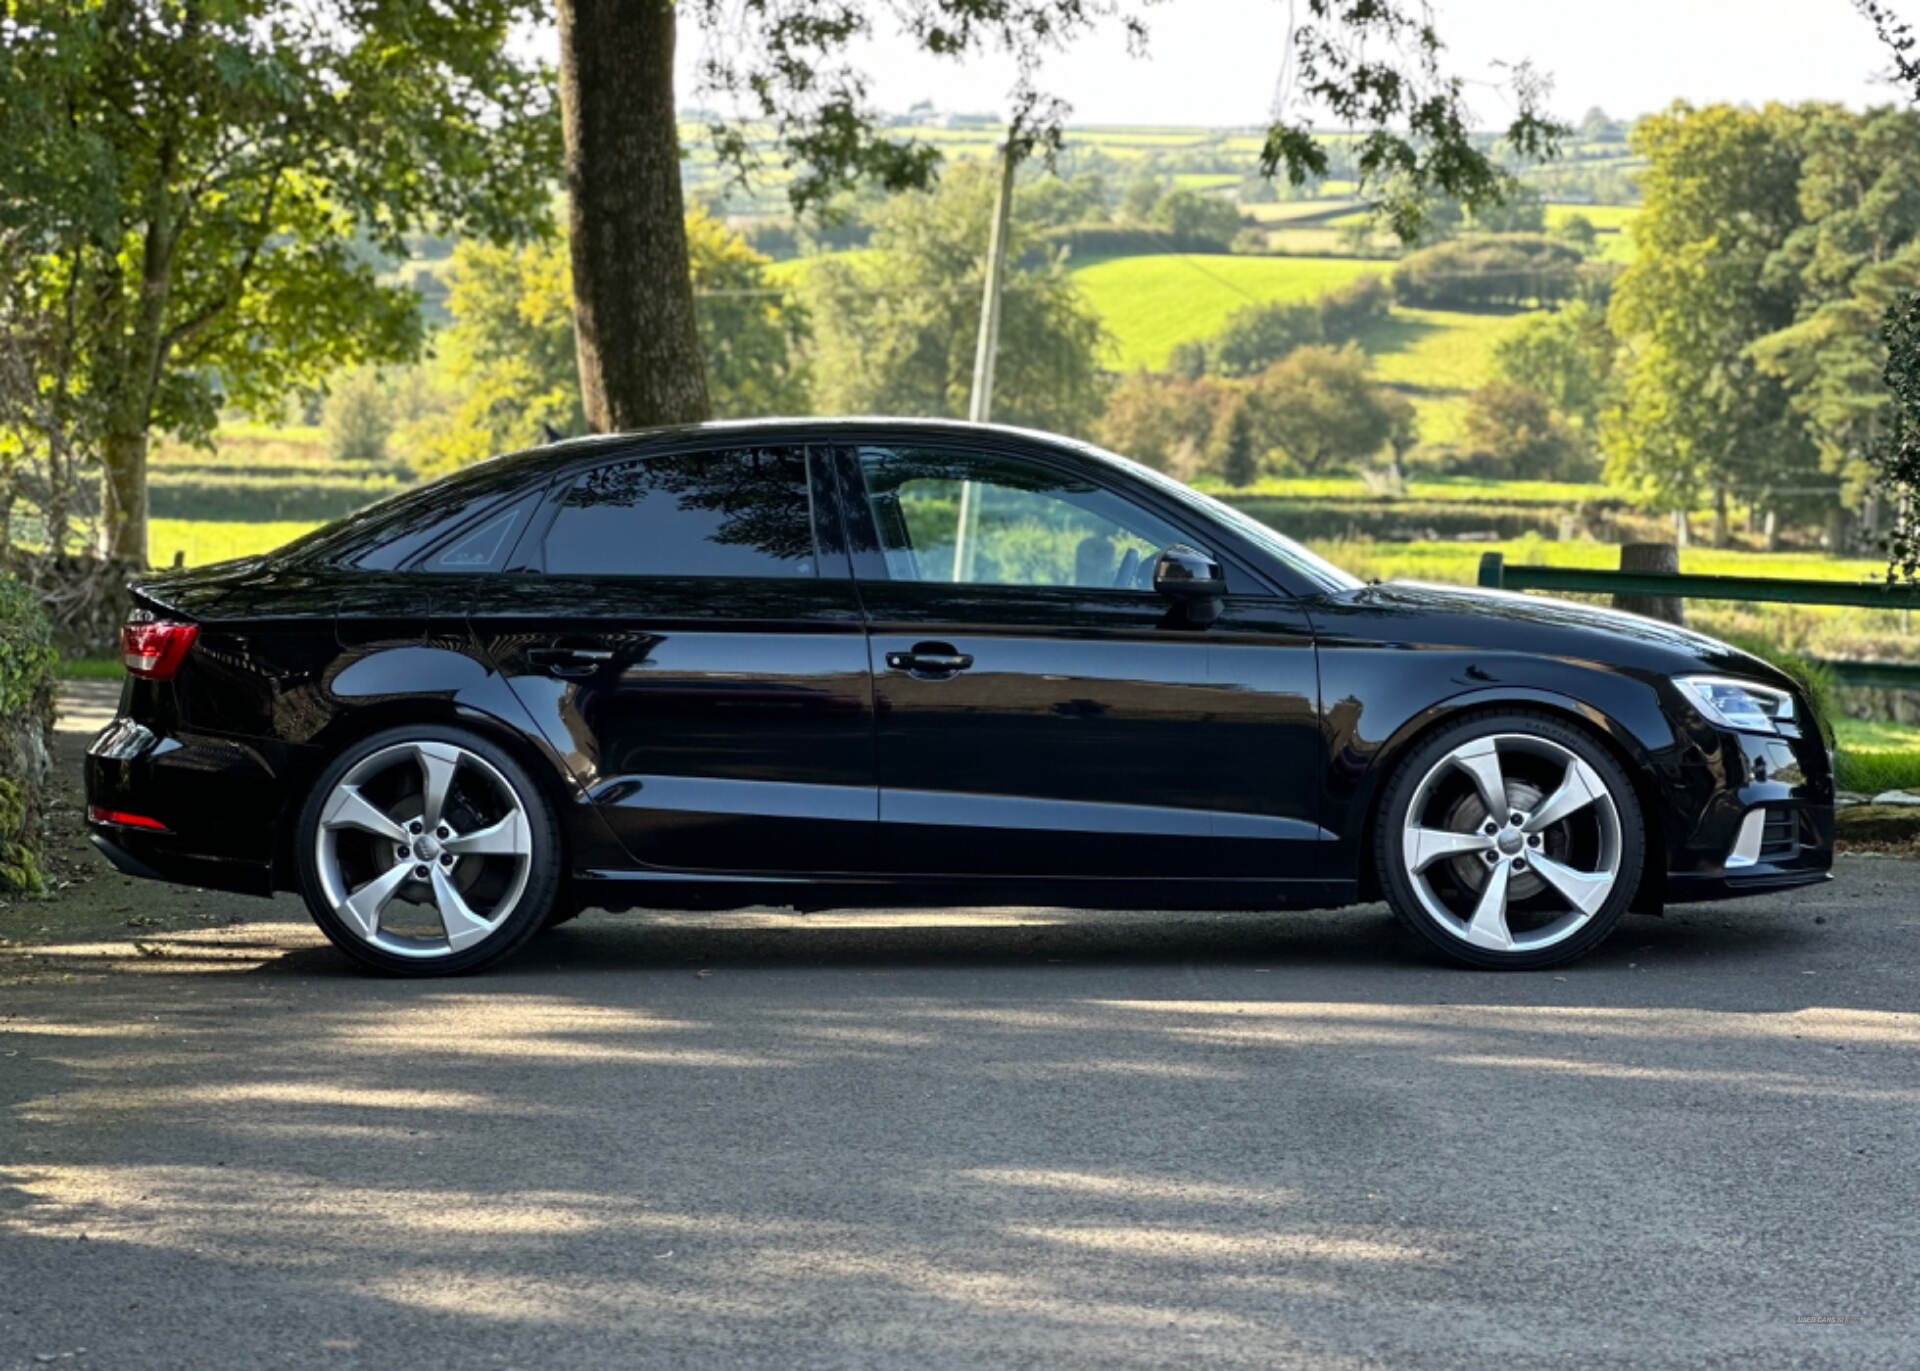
(982, 520)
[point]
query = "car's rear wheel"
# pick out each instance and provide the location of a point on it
(1510, 841)
(427, 851)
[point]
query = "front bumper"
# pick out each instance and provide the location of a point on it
(1750, 813)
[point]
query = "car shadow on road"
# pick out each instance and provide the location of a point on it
(1363, 944)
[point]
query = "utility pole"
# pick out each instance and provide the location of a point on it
(986, 349)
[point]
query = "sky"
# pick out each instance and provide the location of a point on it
(1214, 63)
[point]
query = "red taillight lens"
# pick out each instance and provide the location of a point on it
(155, 650)
(97, 814)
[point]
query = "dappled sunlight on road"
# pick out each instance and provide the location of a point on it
(1182, 1243)
(1182, 1140)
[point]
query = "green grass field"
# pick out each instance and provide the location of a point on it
(1149, 303)
(1836, 633)
(1602, 217)
(1460, 562)
(209, 540)
(1283, 211)
(1473, 489)
(1437, 358)
(1203, 180)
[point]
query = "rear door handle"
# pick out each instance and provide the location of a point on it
(930, 659)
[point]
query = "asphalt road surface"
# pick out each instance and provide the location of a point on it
(1023, 1138)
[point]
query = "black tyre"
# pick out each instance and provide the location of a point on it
(1510, 841)
(427, 850)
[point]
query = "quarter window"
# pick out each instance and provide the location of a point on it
(484, 546)
(978, 519)
(742, 513)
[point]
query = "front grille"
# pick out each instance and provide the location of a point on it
(1780, 838)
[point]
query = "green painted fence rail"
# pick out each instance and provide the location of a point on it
(1497, 575)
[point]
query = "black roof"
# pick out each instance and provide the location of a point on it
(797, 428)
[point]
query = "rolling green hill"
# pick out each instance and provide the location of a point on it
(1150, 303)
(1437, 357)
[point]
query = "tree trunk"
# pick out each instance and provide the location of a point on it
(1663, 557)
(123, 512)
(1719, 516)
(129, 405)
(1680, 530)
(633, 322)
(1772, 537)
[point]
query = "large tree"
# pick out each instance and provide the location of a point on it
(1697, 416)
(1896, 451)
(1372, 66)
(1320, 409)
(209, 187)
(505, 367)
(1856, 254)
(1565, 354)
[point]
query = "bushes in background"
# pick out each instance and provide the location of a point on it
(26, 725)
(1085, 241)
(1509, 270)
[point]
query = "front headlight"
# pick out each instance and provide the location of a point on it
(1742, 705)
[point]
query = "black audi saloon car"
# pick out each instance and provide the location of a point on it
(841, 663)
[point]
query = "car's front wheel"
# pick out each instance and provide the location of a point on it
(427, 850)
(1510, 841)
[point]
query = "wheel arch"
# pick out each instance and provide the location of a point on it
(354, 726)
(1606, 731)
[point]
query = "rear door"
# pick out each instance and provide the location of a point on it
(683, 627)
(1041, 710)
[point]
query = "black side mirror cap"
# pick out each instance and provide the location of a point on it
(1193, 578)
(1187, 573)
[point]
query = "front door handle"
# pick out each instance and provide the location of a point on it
(930, 660)
(561, 660)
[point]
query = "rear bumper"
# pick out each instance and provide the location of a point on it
(218, 801)
(153, 858)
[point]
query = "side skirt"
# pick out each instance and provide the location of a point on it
(620, 890)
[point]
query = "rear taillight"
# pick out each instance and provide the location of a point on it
(155, 650)
(121, 818)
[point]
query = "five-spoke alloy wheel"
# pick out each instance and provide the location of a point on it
(427, 850)
(1510, 841)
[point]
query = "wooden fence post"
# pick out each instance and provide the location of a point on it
(1661, 557)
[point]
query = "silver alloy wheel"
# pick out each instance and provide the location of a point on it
(1506, 842)
(457, 843)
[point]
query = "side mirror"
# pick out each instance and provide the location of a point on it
(1193, 578)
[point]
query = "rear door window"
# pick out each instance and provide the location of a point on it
(741, 512)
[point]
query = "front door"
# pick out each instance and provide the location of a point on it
(687, 635)
(1040, 709)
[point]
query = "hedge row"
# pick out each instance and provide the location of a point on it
(253, 499)
(1401, 520)
(1085, 241)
